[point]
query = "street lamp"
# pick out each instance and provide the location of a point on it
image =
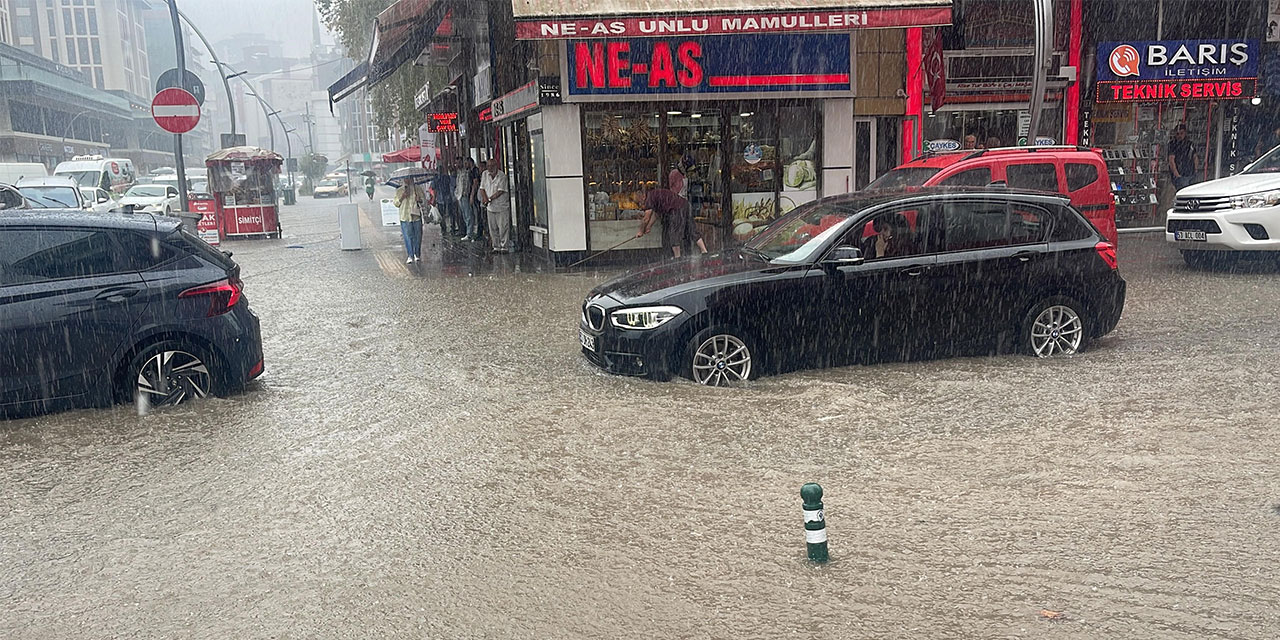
(67, 132)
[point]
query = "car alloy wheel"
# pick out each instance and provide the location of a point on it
(171, 377)
(1057, 330)
(721, 359)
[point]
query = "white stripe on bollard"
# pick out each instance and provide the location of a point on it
(814, 537)
(814, 515)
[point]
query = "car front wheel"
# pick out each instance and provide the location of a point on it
(1054, 327)
(721, 356)
(169, 373)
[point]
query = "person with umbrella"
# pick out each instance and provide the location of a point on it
(369, 183)
(409, 200)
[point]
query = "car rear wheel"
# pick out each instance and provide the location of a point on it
(721, 356)
(1055, 326)
(169, 373)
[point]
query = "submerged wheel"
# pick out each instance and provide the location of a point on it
(1054, 327)
(170, 373)
(719, 357)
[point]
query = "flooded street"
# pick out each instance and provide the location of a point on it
(429, 455)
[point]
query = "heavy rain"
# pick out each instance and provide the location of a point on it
(470, 320)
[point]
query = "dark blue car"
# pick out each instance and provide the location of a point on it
(104, 308)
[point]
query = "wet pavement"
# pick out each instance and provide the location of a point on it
(428, 455)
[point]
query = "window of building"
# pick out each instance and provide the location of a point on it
(93, 22)
(98, 79)
(84, 50)
(26, 118)
(66, 22)
(97, 51)
(82, 26)
(71, 51)
(53, 50)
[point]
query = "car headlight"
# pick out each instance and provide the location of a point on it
(1256, 200)
(644, 317)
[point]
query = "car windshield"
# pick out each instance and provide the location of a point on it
(146, 191)
(798, 237)
(903, 177)
(84, 178)
(52, 196)
(1269, 163)
(329, 183)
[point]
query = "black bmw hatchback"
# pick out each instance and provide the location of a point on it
(864, 277)
(99, 308)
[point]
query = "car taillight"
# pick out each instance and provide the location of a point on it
(1107, 252)
(223, 295)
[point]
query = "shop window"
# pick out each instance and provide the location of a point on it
(1080, 175)
(693, 143)
(798, 149)
(753, 163)
(1035, 177)
(979, 177)
(622, 161)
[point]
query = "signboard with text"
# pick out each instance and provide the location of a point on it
(732, 21)
(798, 63)
(442, 122)
(1143, 71)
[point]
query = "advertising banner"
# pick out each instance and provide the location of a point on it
(722, 65)
(1143, 71)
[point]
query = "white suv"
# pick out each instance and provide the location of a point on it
(1237, 213)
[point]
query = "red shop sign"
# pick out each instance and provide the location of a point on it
(442, 122)
(1155, 90)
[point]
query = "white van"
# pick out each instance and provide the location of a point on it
(11, 172)
(111, 174)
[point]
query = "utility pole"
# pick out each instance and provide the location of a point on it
(182, 73)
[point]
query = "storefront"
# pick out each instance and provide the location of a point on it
(1145, 90)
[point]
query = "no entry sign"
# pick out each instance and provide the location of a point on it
(175, 110)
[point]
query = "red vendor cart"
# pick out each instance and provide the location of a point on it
(242, 180)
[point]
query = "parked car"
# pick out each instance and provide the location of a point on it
(329, 188)
(152, 198)
(1077, 172)
(1228, 217)
(98, 308)
(865, 276)
(53, 192)
(11, 199)
(99, 199)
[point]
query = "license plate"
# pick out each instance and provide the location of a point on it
(588, 341)
(1194, 236)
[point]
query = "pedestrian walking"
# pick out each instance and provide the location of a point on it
(482, 215)
(1182, 158)
(450, 221)
(464, 189)
(496, 197)
(410, 200)
(679, 232)
(368, 186)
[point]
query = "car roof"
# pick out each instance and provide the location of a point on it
(47, 181)
(866, 199)
(943, 159)
(72, 218)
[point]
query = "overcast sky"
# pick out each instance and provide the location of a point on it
(287, 21)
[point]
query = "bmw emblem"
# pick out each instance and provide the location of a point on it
(1193, 204)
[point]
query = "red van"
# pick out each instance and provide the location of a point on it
(1076, 172)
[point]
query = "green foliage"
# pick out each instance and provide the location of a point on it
(313, 166)
(392, 99)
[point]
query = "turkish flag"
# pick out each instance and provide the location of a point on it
(935, 67)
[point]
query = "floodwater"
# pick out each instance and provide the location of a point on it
(428, 455)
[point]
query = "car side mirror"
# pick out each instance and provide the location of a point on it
(843, 257)
(103, 198)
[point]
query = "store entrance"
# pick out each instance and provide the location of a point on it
(743, 164)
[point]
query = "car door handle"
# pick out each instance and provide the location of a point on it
(117, 294)
(1025, 256)
(914, 270)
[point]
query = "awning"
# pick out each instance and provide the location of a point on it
(407, 154)
(400, 33)
(560, 19)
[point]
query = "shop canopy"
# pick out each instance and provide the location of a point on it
(400, 33)
(557, 19)
(407, 154)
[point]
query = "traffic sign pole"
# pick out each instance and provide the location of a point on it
(177, 137)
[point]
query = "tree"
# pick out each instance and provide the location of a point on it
(392, 99)
(312, 167)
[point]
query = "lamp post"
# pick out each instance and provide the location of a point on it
(213, 55)
(67, 131)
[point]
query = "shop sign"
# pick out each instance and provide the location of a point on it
(1177, 60)
(485, 115)
(482, 85)
(442, 122)
(45, 147)
(423, 97)
(935, 68)
(517, 102)
(944, 144)
(549, 91)
(720, 65)
(1231, 140)
(1045, 141)
(1155, 90)
(731, 23)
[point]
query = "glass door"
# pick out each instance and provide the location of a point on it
(694, 145)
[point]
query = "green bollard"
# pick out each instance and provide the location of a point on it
(815, 524)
